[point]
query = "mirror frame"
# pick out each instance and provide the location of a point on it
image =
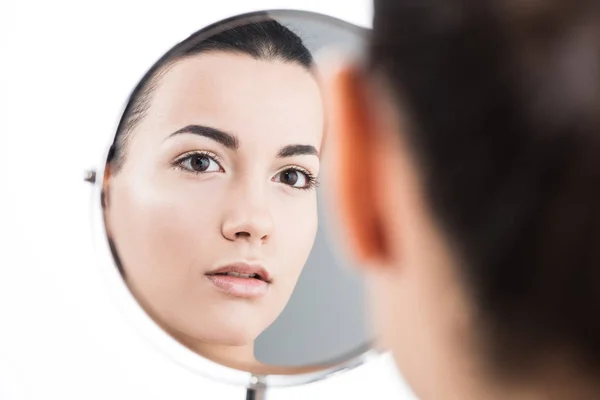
(141, 322)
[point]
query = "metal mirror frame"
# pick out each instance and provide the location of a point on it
(149, 330)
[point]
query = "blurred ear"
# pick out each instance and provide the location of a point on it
(364, 167)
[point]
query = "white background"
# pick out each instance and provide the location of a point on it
(65, 70)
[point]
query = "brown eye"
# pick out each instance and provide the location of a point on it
(294, 178)
(199, 163)
(289, 177)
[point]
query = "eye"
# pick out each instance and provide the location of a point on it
(199, 163)
(295, 178)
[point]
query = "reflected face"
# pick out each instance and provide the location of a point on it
(219, 181)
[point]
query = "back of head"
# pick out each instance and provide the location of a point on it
(504, 105)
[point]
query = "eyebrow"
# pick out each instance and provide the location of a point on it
(226, 139)
(231, 141)
(298, 150)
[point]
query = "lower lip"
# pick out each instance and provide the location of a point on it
(239, 287)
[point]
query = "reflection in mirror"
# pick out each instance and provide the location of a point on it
(211, 202)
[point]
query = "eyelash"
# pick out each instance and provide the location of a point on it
(312, 181)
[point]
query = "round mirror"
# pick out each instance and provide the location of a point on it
(209, 208)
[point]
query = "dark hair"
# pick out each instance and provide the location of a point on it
(503, 99)
(263, 39)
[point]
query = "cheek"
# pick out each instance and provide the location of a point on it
(158, 228)
(297, 225)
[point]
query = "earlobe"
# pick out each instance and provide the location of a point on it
(355, 146)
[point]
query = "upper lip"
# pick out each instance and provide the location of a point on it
(243, 268)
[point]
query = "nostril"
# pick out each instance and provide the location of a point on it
(242, 235)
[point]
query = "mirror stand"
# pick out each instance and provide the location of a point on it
(256, 390)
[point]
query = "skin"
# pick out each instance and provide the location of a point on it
(421, 309)
(172, 225)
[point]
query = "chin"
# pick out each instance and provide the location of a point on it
(228, 333)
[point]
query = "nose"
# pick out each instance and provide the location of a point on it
(248, 221)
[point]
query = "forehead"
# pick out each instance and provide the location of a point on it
(265, 100)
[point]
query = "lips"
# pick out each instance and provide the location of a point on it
(243, 270)
(241, 280)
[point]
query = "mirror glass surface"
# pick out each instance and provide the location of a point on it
(211, 197)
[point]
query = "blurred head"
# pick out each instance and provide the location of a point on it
(475, 206)
(214, 166)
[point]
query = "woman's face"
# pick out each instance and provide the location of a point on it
(219, 174)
